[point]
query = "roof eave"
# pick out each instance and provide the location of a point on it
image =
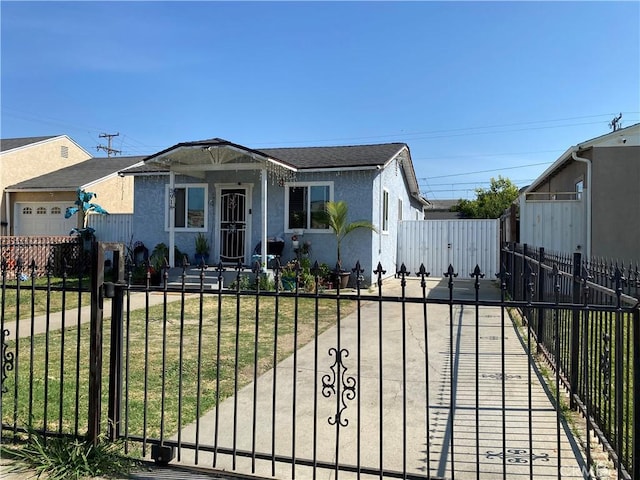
(217, 143)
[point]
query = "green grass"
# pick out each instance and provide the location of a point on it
(196, 354)
(26, 297)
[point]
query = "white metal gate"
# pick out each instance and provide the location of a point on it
(440, 243)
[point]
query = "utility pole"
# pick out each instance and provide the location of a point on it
(108, 148)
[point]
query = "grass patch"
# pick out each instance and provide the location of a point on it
(33, 293)
(172, 360)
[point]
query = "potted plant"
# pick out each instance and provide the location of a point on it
(157, 260)
(85, 207)
(335, 216)
(288, 275)
(202, 249)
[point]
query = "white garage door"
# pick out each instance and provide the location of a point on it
(45, 218)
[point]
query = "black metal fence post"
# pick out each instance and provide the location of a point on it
(115, 291)
(513, 270)
(575, 330)
(635, 427)
(95, 345)
(540, 333)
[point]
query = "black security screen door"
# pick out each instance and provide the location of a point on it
(233, 225)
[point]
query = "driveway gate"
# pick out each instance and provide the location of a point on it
(440, 243)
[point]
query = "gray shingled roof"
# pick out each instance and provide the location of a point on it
(302, 157)
(7, 144)
(331, 157)
(75, 176)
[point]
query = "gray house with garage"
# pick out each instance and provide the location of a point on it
(244, 200)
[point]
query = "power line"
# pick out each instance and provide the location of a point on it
(476, 183)
(485, 171)
(452, 132)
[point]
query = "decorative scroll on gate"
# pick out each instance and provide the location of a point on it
(346, 387)
(7, 359)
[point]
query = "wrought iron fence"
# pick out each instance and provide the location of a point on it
(416, 377)
(589, 332)
(42, 305)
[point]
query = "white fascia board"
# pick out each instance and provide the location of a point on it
(280, 164)
(43, 142)
(219, 167)
(395, 155)
(146, 174)
(408, 169)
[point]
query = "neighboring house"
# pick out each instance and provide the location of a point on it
(588, 200)
(239, 197)
(37, 206)
(26, 158)
(441, 210)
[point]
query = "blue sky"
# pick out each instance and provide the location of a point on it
(476, 89)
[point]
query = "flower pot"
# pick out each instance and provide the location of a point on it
(342, 279)
(200, 258)
(288, 283)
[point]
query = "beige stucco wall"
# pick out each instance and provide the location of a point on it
(114, 194)
(616, 203)
(35, 160)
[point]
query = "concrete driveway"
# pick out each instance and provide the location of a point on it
(404, 422)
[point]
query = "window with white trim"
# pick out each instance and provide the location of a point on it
(191, 207)
(27, 211)
(579, 189)
(41, 211)
(303, 201)
(399, 209)
(385, 211)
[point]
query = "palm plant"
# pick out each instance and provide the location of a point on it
(335, 216)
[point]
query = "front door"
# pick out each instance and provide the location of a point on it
(233, 224)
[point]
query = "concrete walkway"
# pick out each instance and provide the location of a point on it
(456, 441)
(74, 316)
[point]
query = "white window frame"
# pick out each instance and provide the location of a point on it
(579, 188)
(287, 186)
(168, 210)
(384, 208)
(400, 207)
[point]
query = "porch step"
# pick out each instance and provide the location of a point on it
(192, 279)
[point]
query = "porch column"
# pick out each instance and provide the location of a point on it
(263, 233)
(172, 218)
